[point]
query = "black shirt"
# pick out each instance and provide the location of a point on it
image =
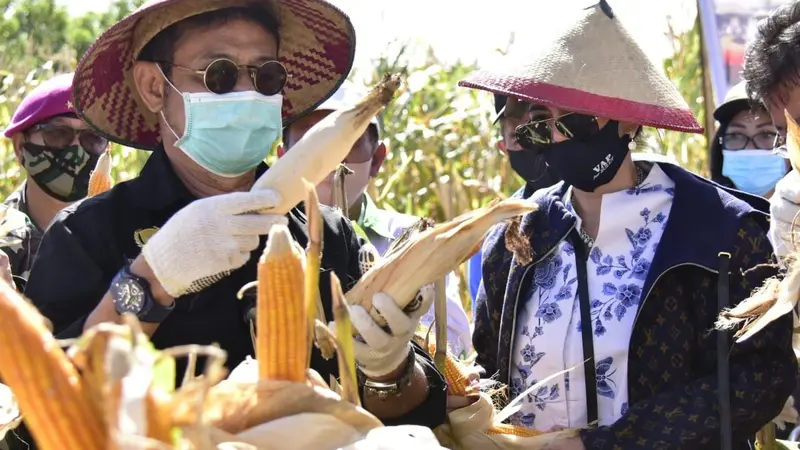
(90, 241)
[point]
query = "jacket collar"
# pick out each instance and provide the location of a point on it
(703, 221)
(158, 187)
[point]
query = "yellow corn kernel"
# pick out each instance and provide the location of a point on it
(51, 394)
(100, 179)
(514, 430)
(456, 375)
(282, 339)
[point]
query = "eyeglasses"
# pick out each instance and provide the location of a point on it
(221, 76)
(739, 141)
(535, 134)
(60, 137)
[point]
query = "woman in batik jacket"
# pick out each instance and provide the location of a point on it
(621, 263)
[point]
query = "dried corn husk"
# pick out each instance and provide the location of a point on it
(236, 407)
(431, 255)
(323, 147)
(468, 429)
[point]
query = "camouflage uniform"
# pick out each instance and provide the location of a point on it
(22, 252)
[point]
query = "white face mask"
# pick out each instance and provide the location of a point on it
(354, 184)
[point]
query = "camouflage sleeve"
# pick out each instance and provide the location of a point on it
(17, 244)
(763, 372)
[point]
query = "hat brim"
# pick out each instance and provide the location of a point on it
(317, 47)
(581, 102)
(725, 112)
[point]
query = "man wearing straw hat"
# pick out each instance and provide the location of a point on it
(186, 79)
(613, 284)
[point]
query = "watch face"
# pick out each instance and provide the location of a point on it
(128, 296)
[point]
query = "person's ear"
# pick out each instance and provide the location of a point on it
(501, 145)
(17, 140)
(150, 84)
(377, 159)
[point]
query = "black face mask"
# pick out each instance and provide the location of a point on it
(61, 173)
(590, 162)
(529, 164)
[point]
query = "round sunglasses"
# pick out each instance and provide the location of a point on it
(221, 76)
(739, 141)
(60, 137)
(537, 133)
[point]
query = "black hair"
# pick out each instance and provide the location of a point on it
(772, 58)
(372, 130)
(715, 158)
(162, 47)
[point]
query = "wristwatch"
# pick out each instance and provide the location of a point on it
(131, 294)
(384, 390)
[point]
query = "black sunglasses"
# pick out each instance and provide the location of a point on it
(60, 137)
(221, 76)
(739, 141)
(537, 133)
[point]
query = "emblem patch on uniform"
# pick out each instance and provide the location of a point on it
(142, 235)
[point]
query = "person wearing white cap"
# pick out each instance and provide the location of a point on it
(612, 285)
(378, 226)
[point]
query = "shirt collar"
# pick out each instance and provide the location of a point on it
(373, 219)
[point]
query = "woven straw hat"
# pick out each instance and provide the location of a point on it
(317, 46)
(591, 67)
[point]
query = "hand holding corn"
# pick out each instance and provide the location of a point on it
(208, 239)
(382, 352)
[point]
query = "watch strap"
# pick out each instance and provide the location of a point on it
(152, 311)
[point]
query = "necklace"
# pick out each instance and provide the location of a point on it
(641, 174)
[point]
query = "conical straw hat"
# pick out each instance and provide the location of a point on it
(593, 66)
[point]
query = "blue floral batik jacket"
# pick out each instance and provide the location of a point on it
(672, 355)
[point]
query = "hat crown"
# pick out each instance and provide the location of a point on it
(53, 97)
(592, 65)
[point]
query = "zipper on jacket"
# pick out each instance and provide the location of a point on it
(516, 300)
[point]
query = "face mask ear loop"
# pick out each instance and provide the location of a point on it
(177, 138)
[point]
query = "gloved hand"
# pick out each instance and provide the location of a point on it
(784, 206)
(208, 239)
(382, 353)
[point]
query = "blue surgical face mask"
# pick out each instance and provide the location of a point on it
(753, 171)
(229, 134)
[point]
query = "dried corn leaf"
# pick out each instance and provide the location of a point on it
(430, 255)
(235, 407)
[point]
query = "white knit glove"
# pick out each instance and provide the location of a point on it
(381, 352)
(208, 239)
(784, 205)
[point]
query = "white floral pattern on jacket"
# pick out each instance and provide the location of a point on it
(548, 336)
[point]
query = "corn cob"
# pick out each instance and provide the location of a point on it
(430, 255)
(50, 392)
(458, 385)
(282, 326)
(313, 302)
(323, 147)
(100, 179)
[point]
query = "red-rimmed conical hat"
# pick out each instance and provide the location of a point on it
(593, 66)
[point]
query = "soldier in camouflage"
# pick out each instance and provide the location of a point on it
(57, 152)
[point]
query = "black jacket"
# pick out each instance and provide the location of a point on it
(89, 242)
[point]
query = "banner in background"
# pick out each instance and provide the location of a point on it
(727, 27)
